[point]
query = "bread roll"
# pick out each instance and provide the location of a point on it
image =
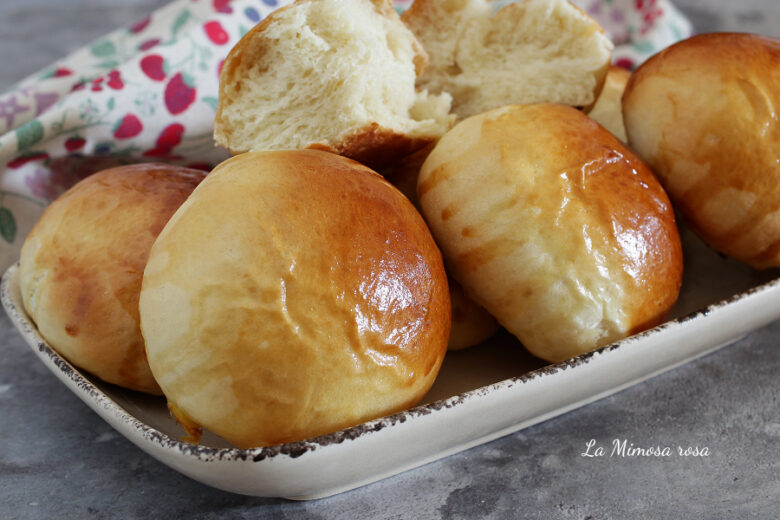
(81, 267)
(527, 52)
(608, 110)
(295, 293)
(553, 226)
(703, 114)
(337, 75)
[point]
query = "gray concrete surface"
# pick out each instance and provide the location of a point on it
(60, 460)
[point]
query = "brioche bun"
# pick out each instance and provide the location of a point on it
(294, 294)
(703, 114)
(336, 75)
(526, 52)
(81, 267)
(553, 226)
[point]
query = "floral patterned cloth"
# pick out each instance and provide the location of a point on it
(149, 92)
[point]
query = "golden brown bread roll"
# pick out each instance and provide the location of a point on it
(553, 226)
(703, 114)
(295, 293)
(81, 267)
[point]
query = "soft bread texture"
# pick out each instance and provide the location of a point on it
(703, 114)
(553, 226)
(608, 110)
(527, 52)
(81, 267)
(337, 75)
(294, 294)
(471, 324)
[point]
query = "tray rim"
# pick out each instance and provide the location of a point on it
(161, 442)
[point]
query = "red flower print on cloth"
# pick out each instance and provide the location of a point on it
(179, 93)
(153, 65)
(24, 159)
(148, 44)
(127, 127)
(222, 6)
(216, 33)
(73, 144)
(115, 80)
(626, 63)
(649, 12)
(168, 139)
(97, 84)
(140, 25)
(61, 72)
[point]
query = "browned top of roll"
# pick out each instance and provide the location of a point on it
(295, 293)
(552, 225)
(82, 264)
(703, 113)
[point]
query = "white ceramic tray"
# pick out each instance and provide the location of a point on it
(481, 394)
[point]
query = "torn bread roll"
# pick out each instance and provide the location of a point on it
(608, 110)
(81, 267)
(703, 114)
(294, 294)
(337, 75)
(553, 226)
(526, 52)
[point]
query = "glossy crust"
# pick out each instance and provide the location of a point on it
(703, 114)
(81, 267)
(553, 226)
(295, 293)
